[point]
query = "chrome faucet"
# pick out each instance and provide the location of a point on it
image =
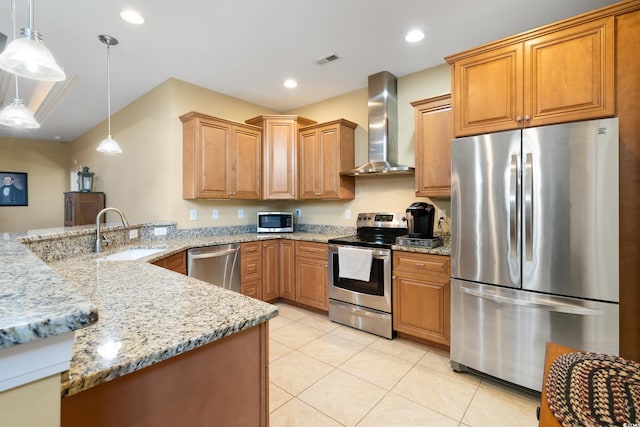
(99, 238)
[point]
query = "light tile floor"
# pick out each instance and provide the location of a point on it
(325, 374)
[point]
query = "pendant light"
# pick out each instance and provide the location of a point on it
(16, 115)
(28, 57)
(109, 145)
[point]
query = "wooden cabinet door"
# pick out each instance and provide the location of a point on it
(280, 152)
(325, 150)
(245, 169)
(312, 282)
(176, 262)
(421, 296)
(569, 74)
(488, 91)
(421, 307)
(212, 160)
(433, 135)
(81, 208)
(270, 270)
(310, 166)
(287, 270)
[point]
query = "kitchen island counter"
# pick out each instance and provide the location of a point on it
(149, 314)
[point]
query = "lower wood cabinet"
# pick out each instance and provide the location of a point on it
(311, 286)
(176, 262)
(251, 269)
(295, 271)
(287, 269)
(421, 296)
(270, 270)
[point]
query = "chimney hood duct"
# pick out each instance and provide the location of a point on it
(383, 129)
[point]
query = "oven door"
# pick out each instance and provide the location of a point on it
(375, 294)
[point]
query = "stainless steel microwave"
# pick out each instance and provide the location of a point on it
(275, 222)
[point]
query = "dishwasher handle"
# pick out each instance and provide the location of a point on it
(213, 254)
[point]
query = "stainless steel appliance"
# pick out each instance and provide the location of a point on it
(360, 273)
(534, 247)
(275, 222)
(218, 265)
(420, 216)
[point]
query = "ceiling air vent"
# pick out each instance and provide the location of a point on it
(327, 59)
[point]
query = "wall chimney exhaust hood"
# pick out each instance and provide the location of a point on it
(383, 129)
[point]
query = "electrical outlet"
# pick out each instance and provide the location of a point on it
(133, 234)
(240, 213)
(347, 214)
(215, 214)
(298, 213)
(193, 214)
(442, 214)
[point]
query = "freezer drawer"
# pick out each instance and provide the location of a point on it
(503, 332)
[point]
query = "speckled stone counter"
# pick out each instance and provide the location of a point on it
(35, 303)
(444, 250)
(149, 314)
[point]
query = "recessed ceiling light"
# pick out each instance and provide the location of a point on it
(414, 36)
(132, 17)
(290, 83)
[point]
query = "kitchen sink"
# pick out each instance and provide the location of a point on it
(131, 254)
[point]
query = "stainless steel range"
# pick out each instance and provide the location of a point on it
(360, 273)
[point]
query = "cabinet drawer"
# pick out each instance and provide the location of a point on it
(250, 268)
(252, 288)
(312, 250)
(250, 248)
(411, 262)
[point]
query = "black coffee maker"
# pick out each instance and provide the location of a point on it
(420, 217)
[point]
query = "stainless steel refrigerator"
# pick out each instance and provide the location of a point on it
(534, 247)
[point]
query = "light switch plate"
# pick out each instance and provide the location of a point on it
(215, 214)
(159, 231)
(193, 214)
(347, 214)
(133, 234)
(240, 213)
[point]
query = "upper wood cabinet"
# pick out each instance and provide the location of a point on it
(221, 159)
(325, 150)
(433, 135)
(559, 73)
(279, 148)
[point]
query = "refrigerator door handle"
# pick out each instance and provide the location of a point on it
(528, 207)
(513, 208)
(547, 305)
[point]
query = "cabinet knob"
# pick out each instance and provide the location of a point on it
(518, 119)
(527, 118)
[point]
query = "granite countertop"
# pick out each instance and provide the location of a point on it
(149, 314)
(35, 303)
(444, 250)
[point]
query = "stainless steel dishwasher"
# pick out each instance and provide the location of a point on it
(219, 265)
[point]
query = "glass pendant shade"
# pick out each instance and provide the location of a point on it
(109, 146)
(16, 115)
(28, 57)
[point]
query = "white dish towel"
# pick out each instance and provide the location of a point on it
(355, 263)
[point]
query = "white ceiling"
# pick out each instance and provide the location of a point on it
(247, 48)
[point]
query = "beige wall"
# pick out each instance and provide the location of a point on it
(33, 404)
(45, 162)
(145, 181)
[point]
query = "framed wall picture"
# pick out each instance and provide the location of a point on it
(14, 189)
